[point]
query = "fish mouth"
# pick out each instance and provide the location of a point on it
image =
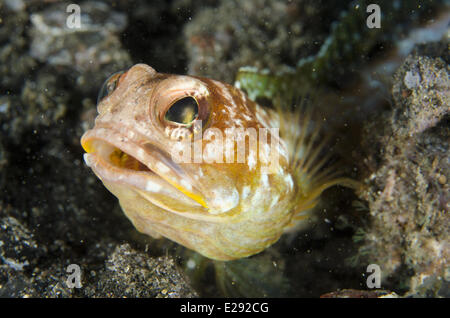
(146, 168)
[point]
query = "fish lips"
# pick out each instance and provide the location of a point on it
(163, 184)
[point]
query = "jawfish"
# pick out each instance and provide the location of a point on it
(211, 202)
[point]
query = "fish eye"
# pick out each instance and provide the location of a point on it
(183, 111)
(109, 85)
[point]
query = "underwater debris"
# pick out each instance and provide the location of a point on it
(87, 53)
(349, 45)
(407, 188)
(131, 274)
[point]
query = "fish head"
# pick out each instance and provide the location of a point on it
(173, 146)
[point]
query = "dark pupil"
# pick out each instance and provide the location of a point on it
(183, 111)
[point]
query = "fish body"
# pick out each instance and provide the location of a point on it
(208, 201)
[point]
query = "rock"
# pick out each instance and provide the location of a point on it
(407, 189)
(422, 89)
(129, 273)
(276, 33)
(90, 52)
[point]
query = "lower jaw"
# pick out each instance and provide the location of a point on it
(145, 184)
(110, 173)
